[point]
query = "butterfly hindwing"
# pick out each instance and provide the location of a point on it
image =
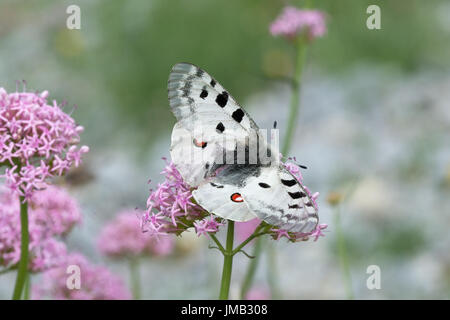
(278, 198)
(273, 194)
(222, 194)
(224, 200)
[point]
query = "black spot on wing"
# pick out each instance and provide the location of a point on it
(295, 206)
(263, 185)
(218, 186)
(295, 195)
(288, 183)
(309, 204)
(222, 99)
(220, 127)
(203, 94)
(213, 83)
(199, 73)
(238, 114)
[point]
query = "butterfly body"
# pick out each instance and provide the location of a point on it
(220, 151)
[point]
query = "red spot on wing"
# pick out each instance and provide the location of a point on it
(236, 197)
(200, 144)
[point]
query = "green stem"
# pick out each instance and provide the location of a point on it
(217, 242)
(23, 263)
(295, 98)
(342, 252)
(293, 112)
(301, 46)
(272, 271)
(26, 291)
(227, 263)
(135, 278)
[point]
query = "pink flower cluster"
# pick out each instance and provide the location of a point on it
(293, 21)
(96, 282)
(123, 237)
(37, 141)
(52, 214)
(170, 208)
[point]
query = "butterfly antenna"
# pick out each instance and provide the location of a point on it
(75, 107)
(275, 124)
(294, 160)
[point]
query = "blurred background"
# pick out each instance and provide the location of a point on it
(374, 127)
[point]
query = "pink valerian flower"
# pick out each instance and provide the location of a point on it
(207, 225)
(292, 21)
(52, 214)
(123, 237)
(171, 209)
(55, 210)
(96, 282)
(37, 141)
(49, 254)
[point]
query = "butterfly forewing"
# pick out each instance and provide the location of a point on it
(195, 96)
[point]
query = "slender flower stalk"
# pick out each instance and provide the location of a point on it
(342, 253)
(26, 291)
(272, 272)
(299, 26)
(52, 213)
(31, 232)
(135, 278)
(227, 263)
(293, 113)
(22, 271)
(300, 55)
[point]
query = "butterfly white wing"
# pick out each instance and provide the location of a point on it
(195, 96)
(211, 126)
(276, 197)
(269, 193)
(194, 162)
(223, 200)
